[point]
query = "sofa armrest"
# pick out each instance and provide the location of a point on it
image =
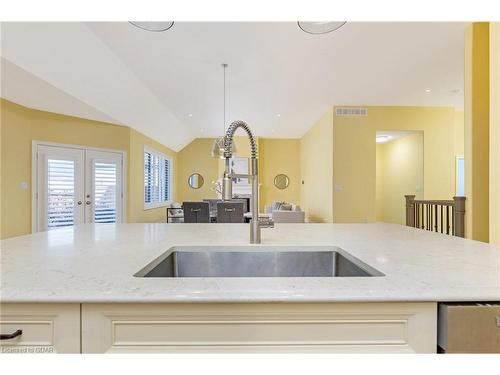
(289, 216)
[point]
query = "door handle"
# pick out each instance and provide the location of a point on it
(88, 203)
(79, 203)
(10, 336)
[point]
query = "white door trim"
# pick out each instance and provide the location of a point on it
(34, 176)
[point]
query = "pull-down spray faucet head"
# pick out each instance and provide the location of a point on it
(227, 192)
(227, 185)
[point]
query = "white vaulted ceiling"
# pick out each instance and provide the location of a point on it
(168, 85)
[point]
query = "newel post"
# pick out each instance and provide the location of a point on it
(459, 219)
(410, 210)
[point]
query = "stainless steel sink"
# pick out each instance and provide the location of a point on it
(262, 261)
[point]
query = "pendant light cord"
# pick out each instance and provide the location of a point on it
(224, 130)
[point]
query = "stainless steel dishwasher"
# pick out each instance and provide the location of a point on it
(469, 327)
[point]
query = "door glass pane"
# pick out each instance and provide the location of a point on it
(105, 192)
(60, 193)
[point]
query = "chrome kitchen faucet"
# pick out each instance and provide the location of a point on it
(227, 184)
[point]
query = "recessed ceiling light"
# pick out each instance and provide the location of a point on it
(382, 138)
(190, 115)
(427, 90)
(153, 26)
(202, 130)
(272, 130)
(279, 115)
(320, 27)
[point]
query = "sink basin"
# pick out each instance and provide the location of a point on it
(261, 261)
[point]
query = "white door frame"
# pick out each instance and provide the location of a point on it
(34, 176)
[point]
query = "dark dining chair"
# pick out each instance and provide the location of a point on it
(196, 212)
(242, 200)
(212, 205)
(230, 212)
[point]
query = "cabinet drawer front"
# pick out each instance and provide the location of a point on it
(342, 327)
(40, 333)
(469, 328)
(249, 333)
(46, 328)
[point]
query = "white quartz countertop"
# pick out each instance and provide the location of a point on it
(96, 263)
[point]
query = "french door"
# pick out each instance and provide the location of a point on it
(75, 185)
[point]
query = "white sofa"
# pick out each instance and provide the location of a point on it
(285, 213)
(175, 214)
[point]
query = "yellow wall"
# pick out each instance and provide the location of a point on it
(379, 183)
(279, 156)
(21, 125)
(316, 168)
(459, 133)
(275, 156)
(400, 169)
(354, 156)
(343, 147)
(477, 130)
(354, 169)
(195, 158)
(16, 203)
(136, 211)
(495, 133)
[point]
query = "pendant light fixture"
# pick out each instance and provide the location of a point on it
(320, 27)
(153, 26)
(218, 145)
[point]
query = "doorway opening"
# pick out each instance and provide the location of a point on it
(399, 171)
(74, 185)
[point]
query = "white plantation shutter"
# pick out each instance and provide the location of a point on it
(166, 179)
(105, 185)
(157, 179)
(60, 193)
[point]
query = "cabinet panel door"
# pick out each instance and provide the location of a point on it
(46, 328)
(356, 327)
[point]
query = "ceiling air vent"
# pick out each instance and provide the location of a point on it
(351, 111)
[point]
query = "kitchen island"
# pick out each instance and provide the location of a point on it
(74, 289)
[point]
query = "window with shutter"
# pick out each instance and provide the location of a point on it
(157, 179)
(60, 193)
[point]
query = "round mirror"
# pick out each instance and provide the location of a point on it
(195, 181)
(281, 181)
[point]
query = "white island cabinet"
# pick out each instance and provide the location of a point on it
(270, 327)
(334, 327)
(80, 289)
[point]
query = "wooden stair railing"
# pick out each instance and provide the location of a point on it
(444, 216)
